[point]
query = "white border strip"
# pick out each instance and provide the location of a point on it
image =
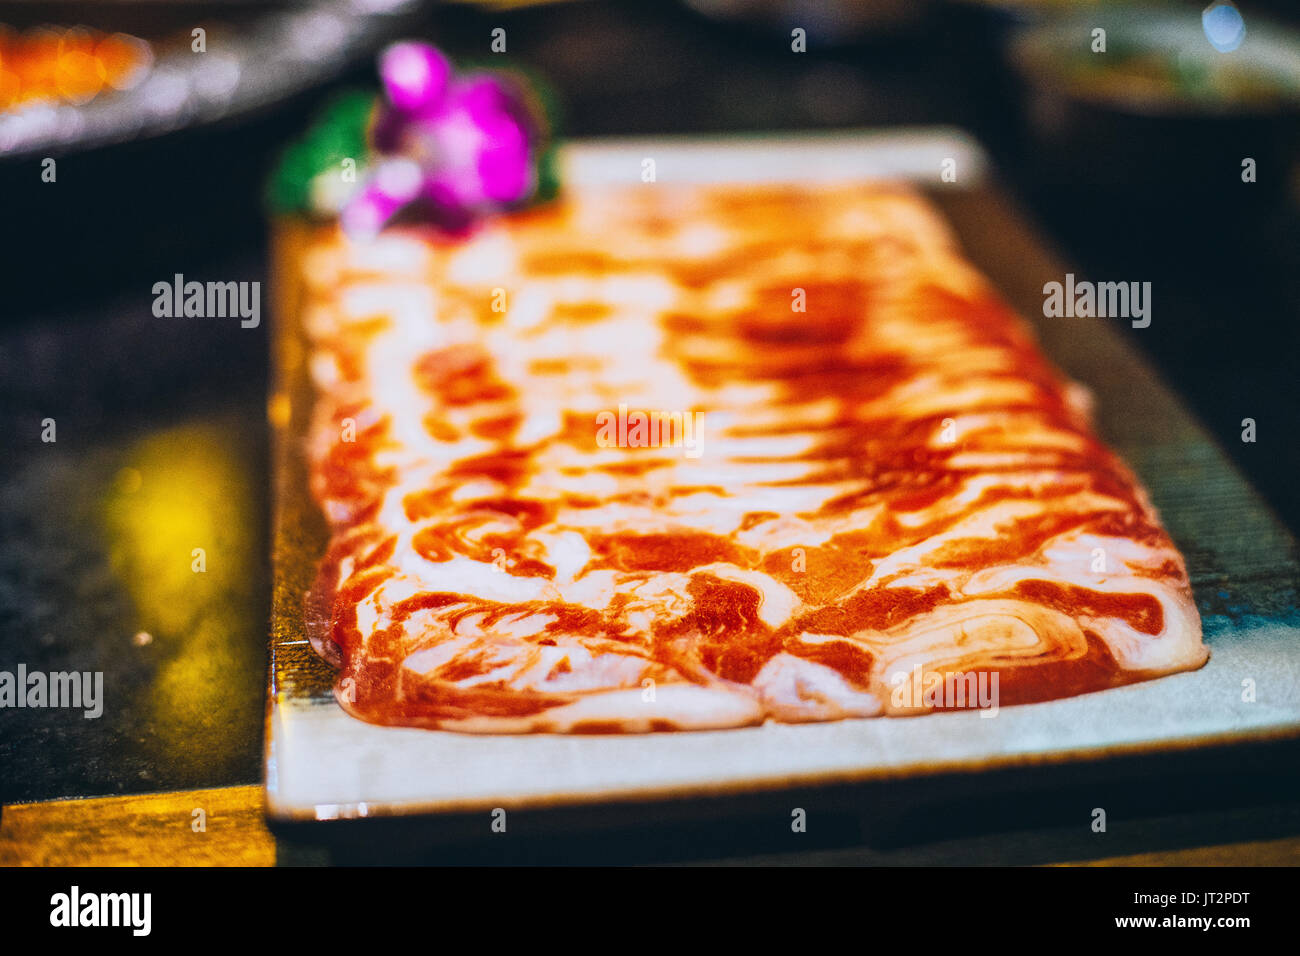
(915, 154)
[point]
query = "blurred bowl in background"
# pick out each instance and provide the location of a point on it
(827, 22)
(248, 58)
(1036, 11)
(1161, 107)
(167, 170)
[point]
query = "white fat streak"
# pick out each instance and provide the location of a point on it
(702, 471)
(462, 575)
(530, 307)
(389, 254)
(320, 320)
(324, 369)
(777, 603)
(990, 631)
(593, 589)
(799, 689)
(792, 445)
(686, 706)
(988, 523)
(756, 407)
(1076, 549)
(428, 659)
(1026, 483)
(566, 551)
(699, 512)
(365, 300)
(930, 395)
(726, 296)
(489, 259)
(586, 671)
(1177, 646)
(700, 239)
(788, 531)
(1023, 430)
(539, 423)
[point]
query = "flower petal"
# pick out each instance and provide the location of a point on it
(415, 76)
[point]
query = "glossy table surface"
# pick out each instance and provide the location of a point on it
(162, 444)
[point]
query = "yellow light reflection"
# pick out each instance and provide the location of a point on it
(182, 526)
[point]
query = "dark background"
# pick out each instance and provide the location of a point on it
(79, 578)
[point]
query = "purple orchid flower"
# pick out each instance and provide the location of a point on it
(452, 149)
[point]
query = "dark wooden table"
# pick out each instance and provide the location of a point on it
(162, 447)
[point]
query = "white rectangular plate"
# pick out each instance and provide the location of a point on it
(323, 764)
